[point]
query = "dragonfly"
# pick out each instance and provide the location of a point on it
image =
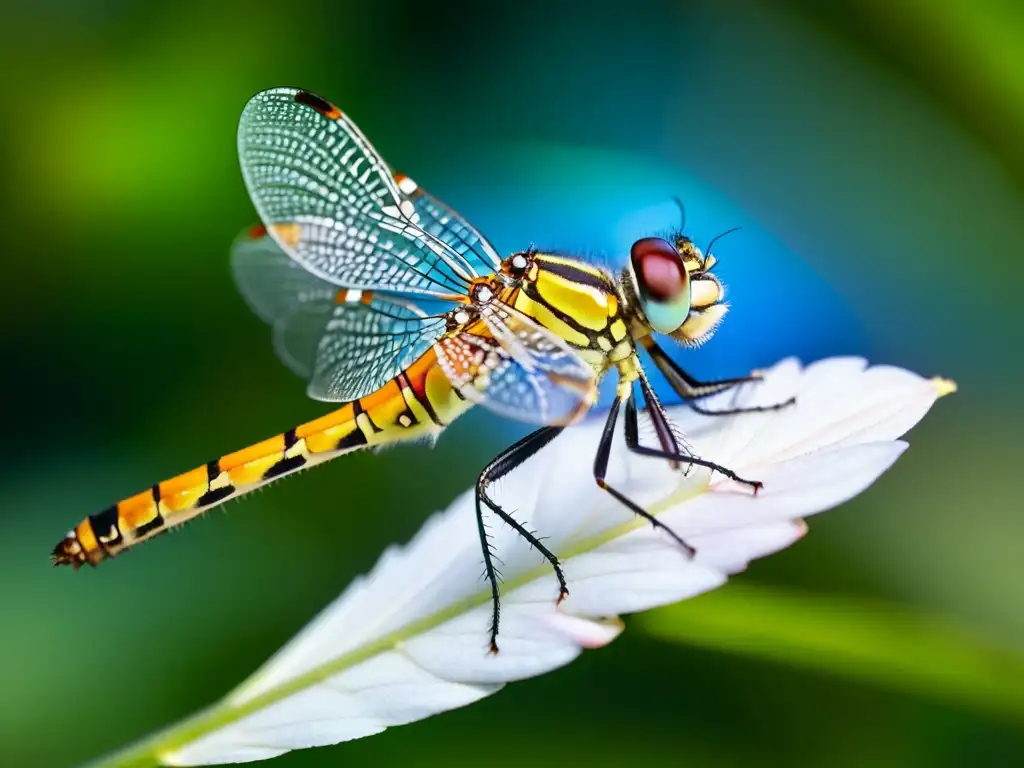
(396, 308)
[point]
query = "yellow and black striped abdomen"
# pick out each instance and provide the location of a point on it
(417, 403)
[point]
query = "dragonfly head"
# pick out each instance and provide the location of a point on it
(674, 288)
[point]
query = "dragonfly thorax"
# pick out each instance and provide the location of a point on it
(577, 301)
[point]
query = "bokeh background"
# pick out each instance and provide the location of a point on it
(872, 153)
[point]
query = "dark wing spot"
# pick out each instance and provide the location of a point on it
(322, 106)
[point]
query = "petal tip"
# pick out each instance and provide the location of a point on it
(943, 386)
(588, 633)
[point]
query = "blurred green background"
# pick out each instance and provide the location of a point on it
(872, 152)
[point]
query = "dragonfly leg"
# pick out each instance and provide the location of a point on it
(749, 409)
(660, 419)
(601, 470)
(505, 462)
(692, 390)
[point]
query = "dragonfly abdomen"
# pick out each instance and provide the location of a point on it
(415, 404)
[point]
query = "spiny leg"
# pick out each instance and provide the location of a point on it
(504, 463)
(666, 437)
(684, 384)
(658, 415)
(691, 389)
(747, 409)
(601, 470)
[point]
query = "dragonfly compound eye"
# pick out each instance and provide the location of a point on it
(662, 282)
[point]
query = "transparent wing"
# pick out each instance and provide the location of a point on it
(293, 301)
(367, 341)
(533, 346)
(535, 378)
(296, 336)
(329, 200)
(346, 343)
(437, 219)
(271, 283)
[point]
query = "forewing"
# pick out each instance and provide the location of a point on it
(346, 343)
(445, 224)
(537, 379)
(330, 201)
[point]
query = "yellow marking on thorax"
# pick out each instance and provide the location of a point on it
(596, 359)
(629, 372)
(547, 318)
(585, 304)
(621, 351)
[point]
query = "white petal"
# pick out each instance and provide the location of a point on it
(795, 488)
(635, 572)
(411, 638)
(459, 648)
(397, 690)
(213, 750)
(881, 403)
(731, 551)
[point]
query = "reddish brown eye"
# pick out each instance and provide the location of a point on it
(659, 270)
